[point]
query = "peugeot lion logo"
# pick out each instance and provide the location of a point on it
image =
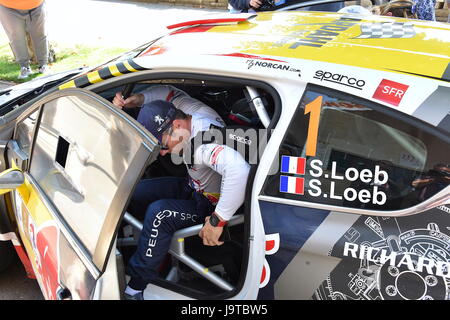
(159, 119)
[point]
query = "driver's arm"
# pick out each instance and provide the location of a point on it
(234, 171)
(133, 101)
(157, 92)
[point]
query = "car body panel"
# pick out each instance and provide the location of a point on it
(295, 251)
(61, 261)
(280, 34)
(329, 258)
(19, 90)
(54, 262)
(397, 72)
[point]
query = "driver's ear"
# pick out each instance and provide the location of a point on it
(176, 124)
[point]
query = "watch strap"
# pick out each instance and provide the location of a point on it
(216, 222)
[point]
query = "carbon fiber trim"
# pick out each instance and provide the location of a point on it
(435, 108)
(446, 74)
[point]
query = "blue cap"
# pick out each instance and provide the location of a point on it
(157, 116)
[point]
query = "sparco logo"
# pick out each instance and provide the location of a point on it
(339, 79)
(240, 139)
(264, 64)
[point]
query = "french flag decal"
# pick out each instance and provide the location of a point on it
(293, 165)
(292, 185)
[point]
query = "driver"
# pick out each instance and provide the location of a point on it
(212, 193)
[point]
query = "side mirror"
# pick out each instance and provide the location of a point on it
(10, 179)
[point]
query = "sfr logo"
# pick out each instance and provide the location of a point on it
(390, 91)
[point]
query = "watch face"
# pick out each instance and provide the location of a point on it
(214, 220)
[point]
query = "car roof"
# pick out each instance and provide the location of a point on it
(411, 57)
(368, 41)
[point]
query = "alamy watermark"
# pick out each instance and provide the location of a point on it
(249, 143)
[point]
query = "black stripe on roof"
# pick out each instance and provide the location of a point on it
(135, 65)
(122, 68)
(82, 82)
(105, 73)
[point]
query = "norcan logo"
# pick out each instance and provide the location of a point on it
(271, 65)
(339, 79)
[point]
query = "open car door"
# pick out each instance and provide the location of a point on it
(81, 158)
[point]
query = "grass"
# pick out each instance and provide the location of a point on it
(67, 57)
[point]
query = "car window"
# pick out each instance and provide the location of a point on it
(339, 151)
(24, 132)
(79, 158)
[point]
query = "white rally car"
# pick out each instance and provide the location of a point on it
(349, 198)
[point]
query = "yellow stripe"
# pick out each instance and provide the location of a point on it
(215, 195)
(180, 239)
(94, 77)
(70, 84)
(115, 71)
(129, 67)
(206, 270)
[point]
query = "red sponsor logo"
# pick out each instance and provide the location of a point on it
(154, 50)
(45, 243)
(248, 56)
(272, 246)
(390, 91)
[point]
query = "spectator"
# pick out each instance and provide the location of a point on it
(425, 9)
(397, 8)
(355, 9)
(448, 7)
(238, 6)
(433, 181)
(18, 17)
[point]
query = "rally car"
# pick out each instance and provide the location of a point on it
(348, 197)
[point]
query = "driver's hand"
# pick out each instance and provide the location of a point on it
(255, 3)
(210, 234)
(133, 101)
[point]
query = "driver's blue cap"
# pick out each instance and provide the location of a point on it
(157, 116)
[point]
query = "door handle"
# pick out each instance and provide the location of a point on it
(17, 154)
(63, 294)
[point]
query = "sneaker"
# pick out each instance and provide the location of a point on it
(25, 72)
(43, 69)
(137, 296)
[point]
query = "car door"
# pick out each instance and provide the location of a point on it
(81, 158)
(357, 204)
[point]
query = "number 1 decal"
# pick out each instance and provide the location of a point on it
(313, 108)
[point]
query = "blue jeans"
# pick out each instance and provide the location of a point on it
(167, 205)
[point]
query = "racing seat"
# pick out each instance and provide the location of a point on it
(177, 250)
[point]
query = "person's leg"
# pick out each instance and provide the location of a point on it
(163, 218)
(151, 190)
(14, 25)
(448, 7)
(38, 32)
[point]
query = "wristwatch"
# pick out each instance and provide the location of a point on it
(215, 221)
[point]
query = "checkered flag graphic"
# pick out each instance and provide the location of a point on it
(387, 30)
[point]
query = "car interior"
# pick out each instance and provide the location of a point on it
(190, 267)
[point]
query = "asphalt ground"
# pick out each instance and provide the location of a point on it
(14, 284)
